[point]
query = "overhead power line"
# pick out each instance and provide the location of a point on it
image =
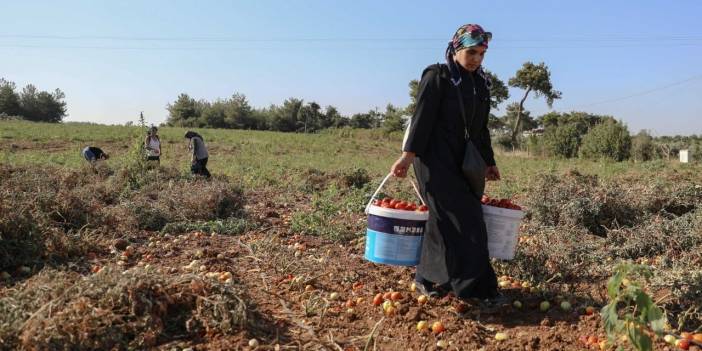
(590, 38)
(642, 93)
(329, 46)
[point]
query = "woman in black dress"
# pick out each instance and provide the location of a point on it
(454, 251)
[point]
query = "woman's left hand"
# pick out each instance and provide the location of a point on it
(492, 173)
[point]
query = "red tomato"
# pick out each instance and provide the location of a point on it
(386, 205)
(378, 299)
(400, 206)
(437, 328)
(412, 207)
(423, 208)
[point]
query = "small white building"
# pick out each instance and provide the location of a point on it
(685, 156)
(535, 132)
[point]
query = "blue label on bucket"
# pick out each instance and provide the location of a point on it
(396, 226)
(393, 249)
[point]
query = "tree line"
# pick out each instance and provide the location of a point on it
(554, 134)
(30, 103)
(293, 115)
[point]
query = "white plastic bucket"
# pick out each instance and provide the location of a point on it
(502, 229)
(394, 237)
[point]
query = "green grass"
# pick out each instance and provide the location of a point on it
(261, 159)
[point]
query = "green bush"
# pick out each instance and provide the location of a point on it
(563, 140)
(609, 140)
(642, 148)
(356, 178)
(505, 142)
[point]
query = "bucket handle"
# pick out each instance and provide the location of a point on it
(414, 186)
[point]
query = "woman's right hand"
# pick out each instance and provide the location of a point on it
(401, 166)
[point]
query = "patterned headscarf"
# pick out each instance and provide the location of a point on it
(466, 36)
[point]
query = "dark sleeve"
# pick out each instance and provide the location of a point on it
(426, 113)
(486, 144)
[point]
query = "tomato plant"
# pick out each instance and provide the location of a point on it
(632, 312)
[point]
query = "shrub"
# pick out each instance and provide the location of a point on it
(505, 142)
(581, 201)
(642, 148)
(116, 310)
(356, 178)
(563, 140)
(610, 140)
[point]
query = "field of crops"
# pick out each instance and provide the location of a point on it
(268, 254)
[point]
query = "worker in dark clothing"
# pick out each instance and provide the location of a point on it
(93, 154)
(455, 254)
(200, 154)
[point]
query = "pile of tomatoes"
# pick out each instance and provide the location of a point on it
(397, 204)
(501, 203)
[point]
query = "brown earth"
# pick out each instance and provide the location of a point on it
(289, 279)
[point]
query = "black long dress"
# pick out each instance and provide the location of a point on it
(454, 250)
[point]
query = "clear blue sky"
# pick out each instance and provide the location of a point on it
(116, 58)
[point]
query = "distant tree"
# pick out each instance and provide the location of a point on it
(562, 140)
(642, 147)
(362, 120)
(184, 112)
(582, 120)
(42, 106)
(512, 116)
(238, 113)
(285, 118)
(332, 118)
(311, 117)
(609, 139)
(413, 92)
(495, 123)
(498, 90)
(393, 121)
(214, 115)
(548, 120)
(9, 99)
(536, 78)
